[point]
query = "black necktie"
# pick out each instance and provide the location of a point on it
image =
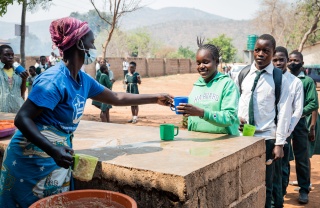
(251, 110)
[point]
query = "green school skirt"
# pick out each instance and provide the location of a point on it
(104, 107)
(132, 88)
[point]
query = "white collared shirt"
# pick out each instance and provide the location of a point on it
(264, 105)
(296, 98)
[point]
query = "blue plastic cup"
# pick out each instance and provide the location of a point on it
(19, 69)
(177, 101)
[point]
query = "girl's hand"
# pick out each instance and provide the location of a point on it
(242, 122)
(190, 110)
(165, 99)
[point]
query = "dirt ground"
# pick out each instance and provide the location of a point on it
(154, 115)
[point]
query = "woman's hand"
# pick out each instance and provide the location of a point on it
(62, 155)
(165, 99)
(190, 110)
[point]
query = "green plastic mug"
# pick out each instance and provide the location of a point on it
(248, 130)
(167, 131)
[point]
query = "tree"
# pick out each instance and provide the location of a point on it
(311, 11)
(183, 52)
(96, 24)
(292, 25)
(228, 51)
(117, 8)
(117, 46)
(32, 6)
(140, 44)
(275, 18)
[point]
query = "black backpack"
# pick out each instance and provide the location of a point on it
(277, 78)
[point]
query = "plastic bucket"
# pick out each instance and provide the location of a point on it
(90, 197)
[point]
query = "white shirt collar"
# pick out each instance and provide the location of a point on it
(269, 68)
(301, 74)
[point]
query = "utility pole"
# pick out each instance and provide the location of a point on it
(23, 33)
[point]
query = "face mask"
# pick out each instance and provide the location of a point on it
(89, 55)
(294, 67)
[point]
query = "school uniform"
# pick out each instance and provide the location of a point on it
(94, 102)
(41, 68)
(264, 111)
(296, 98)
(105, 81)
(300, 135)
(132, 82)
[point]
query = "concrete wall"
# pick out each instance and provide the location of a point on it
(311, 54)
(235, 181)
(152, 67)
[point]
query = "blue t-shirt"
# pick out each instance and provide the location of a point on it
(62, 97)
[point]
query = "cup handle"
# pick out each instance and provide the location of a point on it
(176, 127)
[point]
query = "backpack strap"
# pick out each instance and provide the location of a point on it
(243, 73)
(277, 78)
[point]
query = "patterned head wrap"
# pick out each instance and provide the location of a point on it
(65, 32)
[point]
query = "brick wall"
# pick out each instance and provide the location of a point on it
(152, 67)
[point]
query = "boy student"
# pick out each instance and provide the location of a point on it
(300, 132)
(31, 78)
(105, 81)
(261, 105)
(296, 98)
(132, 79)
(12, 85)
(42, 66)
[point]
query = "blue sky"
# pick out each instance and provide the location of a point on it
(233, 9)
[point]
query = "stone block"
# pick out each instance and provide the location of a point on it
(252, 174)
(217, 193)
(256, 199)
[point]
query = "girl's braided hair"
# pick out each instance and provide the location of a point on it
(214, 50)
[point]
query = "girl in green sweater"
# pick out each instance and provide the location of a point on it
(213, 101)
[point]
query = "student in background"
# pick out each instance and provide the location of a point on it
(31, 78)
(125, 67)
(105, 81)
(296, 98)
(132, 79)
(301, 131)
(12, 85)
(36, 65)
(52, 59)
(42, 66)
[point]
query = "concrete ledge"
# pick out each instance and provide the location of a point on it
(194, 170)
